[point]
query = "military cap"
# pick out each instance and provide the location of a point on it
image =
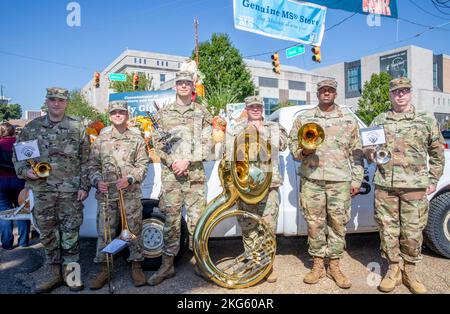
(184, 76)
(328, 82)
(117, 105)
(57, 92)
(253, 100)
(400, 82)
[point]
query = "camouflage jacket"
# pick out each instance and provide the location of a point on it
(340, 156)
(65, 146)
(114, 152)
(272, 133)
(411, 137)
(190, 129)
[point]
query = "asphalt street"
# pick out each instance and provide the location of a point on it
(21, 268)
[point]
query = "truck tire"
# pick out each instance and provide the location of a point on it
(437, 231)
(152, 235)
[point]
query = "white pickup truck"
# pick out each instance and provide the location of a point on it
(290, 219)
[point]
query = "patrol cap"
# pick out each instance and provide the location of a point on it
(400, 82)
(117, 105)
(328, 82)
(57, 92)
(253, 100)
(184, 76)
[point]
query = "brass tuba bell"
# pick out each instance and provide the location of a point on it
(311, 135)
(41, 169)
(242, 178)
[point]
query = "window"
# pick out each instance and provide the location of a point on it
(353, 79)
(296, 85)
(268, 82)
(145, 61)
(162, 78)
(298, 102)
(135, 60)
(178, 64)
(157, 62)
(167, 64)
(435, 75)
(270, 104)
(140, 60)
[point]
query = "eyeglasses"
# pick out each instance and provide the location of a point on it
(401, 91)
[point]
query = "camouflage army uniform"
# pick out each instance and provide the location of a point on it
(127, 151)
(274, 134)
(190, 127)
(57, 212)
(401, 205)
(326, 178)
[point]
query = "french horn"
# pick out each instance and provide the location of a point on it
(246, 177)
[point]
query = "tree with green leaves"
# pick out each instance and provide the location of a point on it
(375, 97)
(10, 111)
(217, 99)
(223, 71)
(127, 86)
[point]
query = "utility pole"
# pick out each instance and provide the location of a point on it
(196, 41)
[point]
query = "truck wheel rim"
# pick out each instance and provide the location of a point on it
(152, 237)
(446, 226)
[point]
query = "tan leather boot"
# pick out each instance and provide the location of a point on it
(335, 273)
(54, 281)
(164, 272)
(411, 281)
(272, 276)
(74, 285)
(137, 274)
(317, 272)
(392, 278)
(100, 278)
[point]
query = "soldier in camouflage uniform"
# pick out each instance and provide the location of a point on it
(118, 161)
(274, 134)
(402, 184)
(183, 177)
(58, 207)
(329, 176)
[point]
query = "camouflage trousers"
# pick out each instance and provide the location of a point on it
(175, 195)
(401, 215)
(58, 216)
(111, 214)
(267, 209)
(326, 207)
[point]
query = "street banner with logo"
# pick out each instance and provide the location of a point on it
(386, 8)
(282, 19)
(139, 103)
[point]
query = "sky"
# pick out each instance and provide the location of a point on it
(38, 49)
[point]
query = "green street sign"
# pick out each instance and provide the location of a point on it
(117, 77)
(295, 51)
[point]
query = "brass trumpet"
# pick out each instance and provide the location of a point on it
(125, 234)
(41, 169)
(311, 135)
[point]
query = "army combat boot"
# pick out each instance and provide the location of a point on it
(335, 273)
(411, 281)
(74, 284)
(100, 278)
(137, 274)
(317, 272)
(272, 276)
(165, 271)
(54, 281)
(392, 278)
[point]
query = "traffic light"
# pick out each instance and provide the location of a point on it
(135, 82)
(97, 79)
(276, 63)
(316, 54)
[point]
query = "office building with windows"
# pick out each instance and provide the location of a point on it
(293, 84)
(429, 74)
